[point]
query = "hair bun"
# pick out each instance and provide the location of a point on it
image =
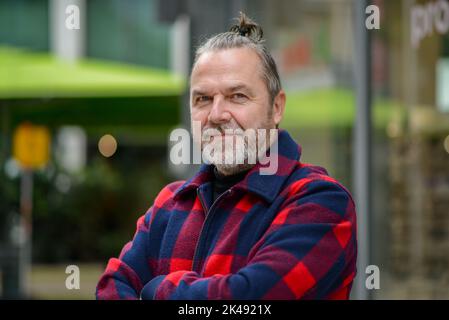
(247, 28)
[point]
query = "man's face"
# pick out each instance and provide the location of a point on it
(228, 92)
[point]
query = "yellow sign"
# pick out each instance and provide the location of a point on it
(31, 145)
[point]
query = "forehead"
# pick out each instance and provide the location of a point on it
(227, 67)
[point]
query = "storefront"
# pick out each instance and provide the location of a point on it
(408, 218)
(411, 157)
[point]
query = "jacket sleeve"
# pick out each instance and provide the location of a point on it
(124, 276)
(308, 252)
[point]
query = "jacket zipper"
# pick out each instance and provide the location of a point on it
(205, 226)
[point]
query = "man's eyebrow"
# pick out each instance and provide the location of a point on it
(197, 92)
(239, 87)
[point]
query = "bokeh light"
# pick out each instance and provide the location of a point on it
(107, 145)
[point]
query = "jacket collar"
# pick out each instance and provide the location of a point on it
(266, 186)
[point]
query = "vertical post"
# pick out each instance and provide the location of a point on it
(66, 43)
(362, 145)
(26, 207)
(180, 57)
(180, 46)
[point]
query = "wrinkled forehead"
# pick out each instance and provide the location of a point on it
(227, 67)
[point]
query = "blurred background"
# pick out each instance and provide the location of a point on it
(85, 115)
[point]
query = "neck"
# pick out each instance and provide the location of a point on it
(225, 170)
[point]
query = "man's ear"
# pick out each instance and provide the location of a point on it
(279, 107)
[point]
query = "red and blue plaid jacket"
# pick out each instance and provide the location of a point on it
(291, 235)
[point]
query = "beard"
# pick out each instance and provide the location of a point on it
(232, 149)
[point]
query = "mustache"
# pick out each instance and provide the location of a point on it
(209, 131)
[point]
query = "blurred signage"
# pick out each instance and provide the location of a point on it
(71, 148)
(442, 94)
(428, 17)
(296, 55)
(31, 145)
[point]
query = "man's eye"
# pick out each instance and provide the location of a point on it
(239, 97)
(203, 99)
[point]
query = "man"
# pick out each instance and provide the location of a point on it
(231, 231)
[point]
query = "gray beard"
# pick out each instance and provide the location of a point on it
(230, 169)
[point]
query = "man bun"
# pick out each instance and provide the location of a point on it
(247, 28)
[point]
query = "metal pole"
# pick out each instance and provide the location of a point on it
(26, 207)
(362, 145)
(67, 44)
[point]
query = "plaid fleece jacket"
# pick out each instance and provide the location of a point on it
(291, 235)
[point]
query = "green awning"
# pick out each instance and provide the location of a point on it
(42, 89)
(39, 75)
(333, 107)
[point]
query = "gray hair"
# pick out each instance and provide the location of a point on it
(246, 34)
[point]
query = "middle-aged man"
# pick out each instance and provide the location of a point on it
(233, 231)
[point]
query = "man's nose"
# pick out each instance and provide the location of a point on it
(218, 114)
